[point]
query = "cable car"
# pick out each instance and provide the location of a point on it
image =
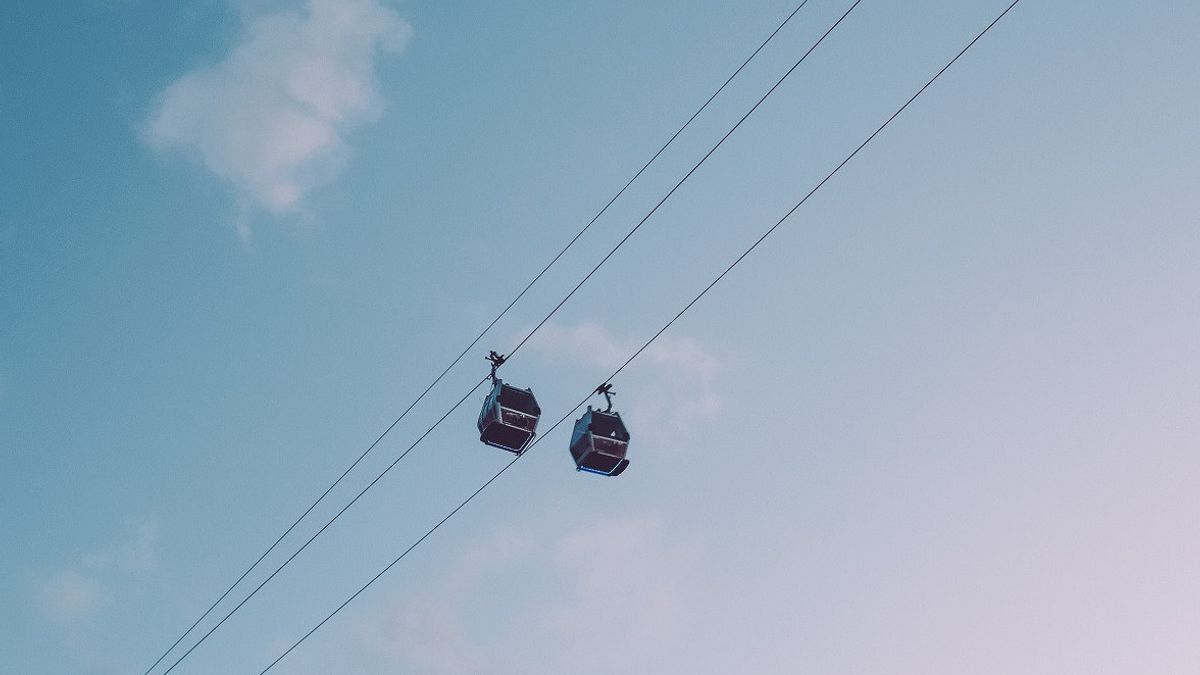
(600, 442)
(509, 417)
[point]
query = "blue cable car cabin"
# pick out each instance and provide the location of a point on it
(600, 442)
(509, 418)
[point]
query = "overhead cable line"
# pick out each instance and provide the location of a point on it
(529, 335)
(535, 329)
(478, 337)
(324, 527)
(688, 175)
(647, 344)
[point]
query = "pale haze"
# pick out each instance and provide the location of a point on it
(944, 420)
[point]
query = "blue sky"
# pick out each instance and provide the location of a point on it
(945, 421)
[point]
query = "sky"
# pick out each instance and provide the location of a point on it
(943, 421)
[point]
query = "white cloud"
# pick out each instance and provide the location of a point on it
(629, 592)
(679, 381)
(623, 582)
(426, 634)
(138, 554)
(69, 596)
(272, 115)
(79, 591)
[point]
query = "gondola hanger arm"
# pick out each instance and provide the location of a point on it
(496, 360)
(606, 391)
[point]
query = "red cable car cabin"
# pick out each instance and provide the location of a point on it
(509, 418)
(600, 442)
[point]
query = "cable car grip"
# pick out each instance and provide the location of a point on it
(496, 360)
(606, 391)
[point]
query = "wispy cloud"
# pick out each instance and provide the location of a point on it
(428, 634)
(272, 115)
(77, 592)
(630, 587)
(623, 581)
(425, 635)
(138, 554)
(69, 597)
(679, 386)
